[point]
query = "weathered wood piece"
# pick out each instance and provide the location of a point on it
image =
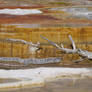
(82, 53)
(79, 60)
(17, 40)
(32, 47)
(66, 50)
(85, 53)
(73, 43)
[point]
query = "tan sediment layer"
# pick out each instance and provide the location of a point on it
(81, 35)
(55, 34)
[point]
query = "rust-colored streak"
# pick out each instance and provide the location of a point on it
(5, 18)
(22, 7)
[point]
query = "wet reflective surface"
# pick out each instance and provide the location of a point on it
(61, 85)
(7, 80)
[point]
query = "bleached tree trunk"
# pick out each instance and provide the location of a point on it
(73, 43)
(66, 50)
(84, 53)
(32, 47)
